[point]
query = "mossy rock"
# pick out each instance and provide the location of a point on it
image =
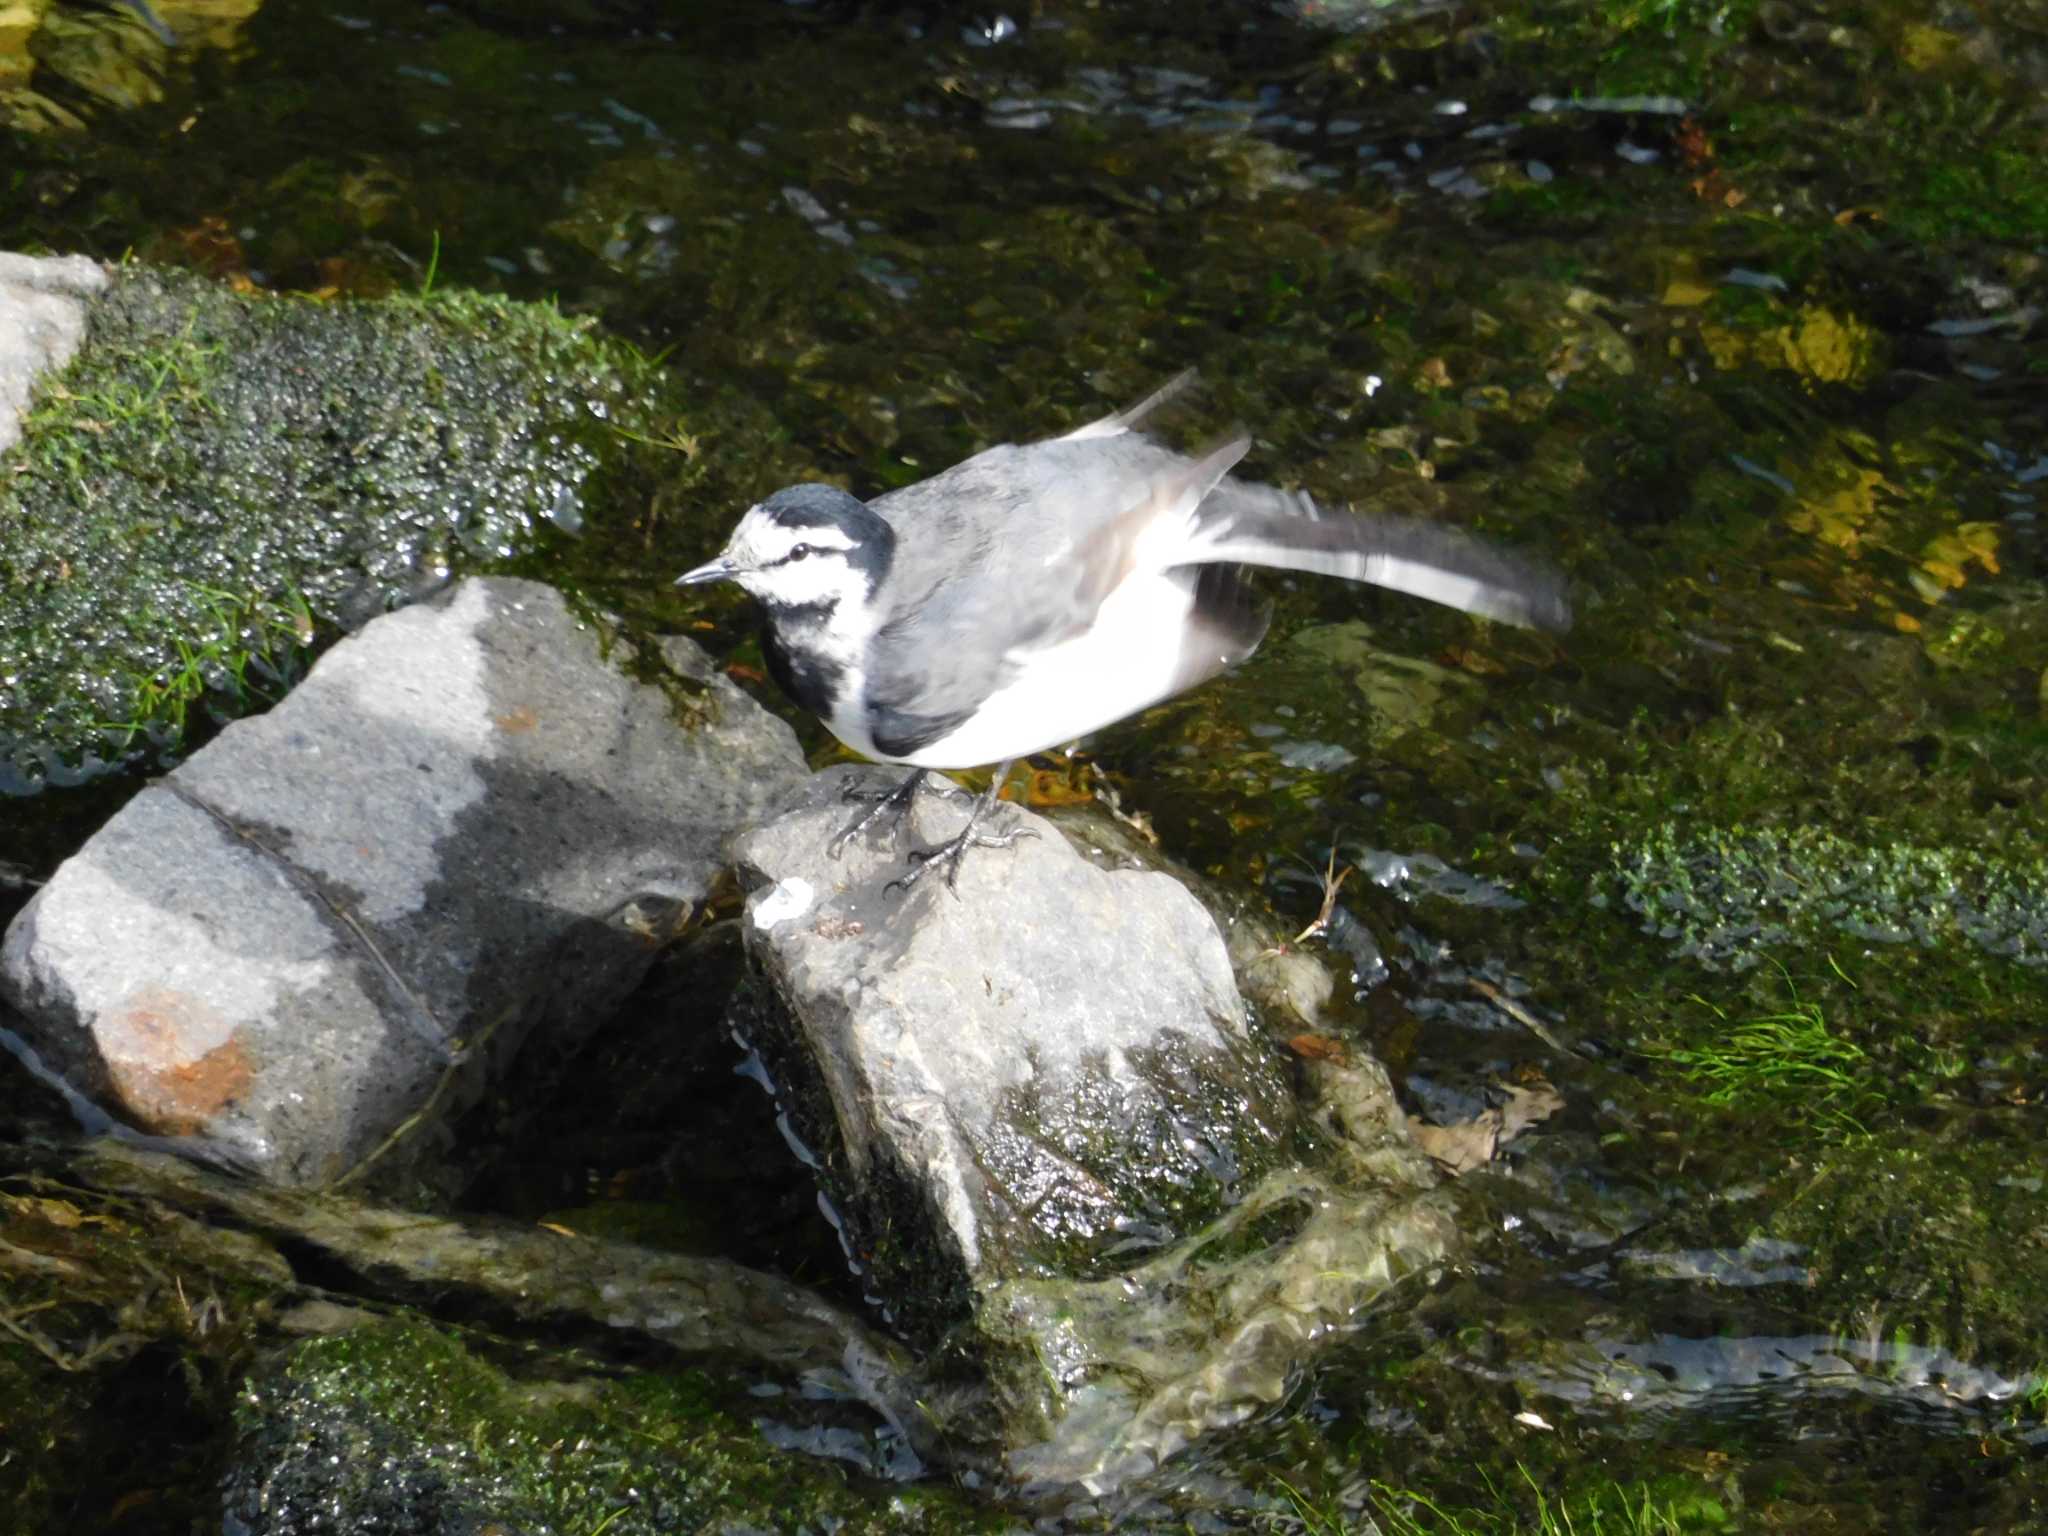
(221, 480)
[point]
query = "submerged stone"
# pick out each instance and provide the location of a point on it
(699, 1307)
(398, 1426)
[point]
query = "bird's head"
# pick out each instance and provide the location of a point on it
(807, 547)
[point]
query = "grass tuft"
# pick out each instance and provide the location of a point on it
(1785, 1058)
(251, 654)
(1609, 1509)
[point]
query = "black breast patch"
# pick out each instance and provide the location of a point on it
(808, 678)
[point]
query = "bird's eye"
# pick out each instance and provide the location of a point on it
(801, 552)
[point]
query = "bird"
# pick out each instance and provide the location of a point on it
(1035, 593)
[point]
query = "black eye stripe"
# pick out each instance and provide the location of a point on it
(802, 552)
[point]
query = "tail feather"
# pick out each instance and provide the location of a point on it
(1253, 525)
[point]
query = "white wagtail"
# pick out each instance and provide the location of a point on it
(1034, 594)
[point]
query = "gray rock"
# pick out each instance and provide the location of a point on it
(42, 320)
(1057, 1057)
(319, 931)
(1056, 1142)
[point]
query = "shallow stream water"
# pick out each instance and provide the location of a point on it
(1736, 312)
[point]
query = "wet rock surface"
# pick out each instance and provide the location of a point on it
(328, 924)
(1055, 1058)
(1055, 1142)
(699, 1307)
(42, 319)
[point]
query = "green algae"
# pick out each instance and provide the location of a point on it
(219, 482)
(1907, 1238)
(1732, 898)
(402, 1423)
(1129, 1371)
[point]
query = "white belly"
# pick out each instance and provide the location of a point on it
(1126, 661)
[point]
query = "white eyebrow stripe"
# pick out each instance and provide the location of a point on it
(781, 536)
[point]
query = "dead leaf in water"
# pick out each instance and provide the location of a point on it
(1470, 1144)
(1528, 1106)
(1458, 1149)
(1317, 1047)
(1947, 557)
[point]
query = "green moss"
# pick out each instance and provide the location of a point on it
(1556, 207)
(1989, 191)
(1909, 1239)
(401, 1422)
(220, 482)
(1634, 47)
(42, 1419)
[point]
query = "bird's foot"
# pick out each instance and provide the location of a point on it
(893, 802)
(858, 792)
(948, 854)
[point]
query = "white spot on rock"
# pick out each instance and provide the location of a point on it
(790, 898)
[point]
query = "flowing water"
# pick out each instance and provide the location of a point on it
(1734, 311)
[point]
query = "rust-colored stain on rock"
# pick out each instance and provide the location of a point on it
(166, 1074)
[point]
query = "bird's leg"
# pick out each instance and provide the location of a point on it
(894, 802)
(948, 853)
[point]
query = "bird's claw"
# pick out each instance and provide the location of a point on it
(894, 801)
(950, 852)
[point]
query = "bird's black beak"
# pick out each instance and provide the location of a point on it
(721, 569)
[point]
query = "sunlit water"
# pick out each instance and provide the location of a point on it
(1745, 334)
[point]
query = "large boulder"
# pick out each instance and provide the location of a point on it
(1057, 1053)
(310, 941)
(1054, 1138)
